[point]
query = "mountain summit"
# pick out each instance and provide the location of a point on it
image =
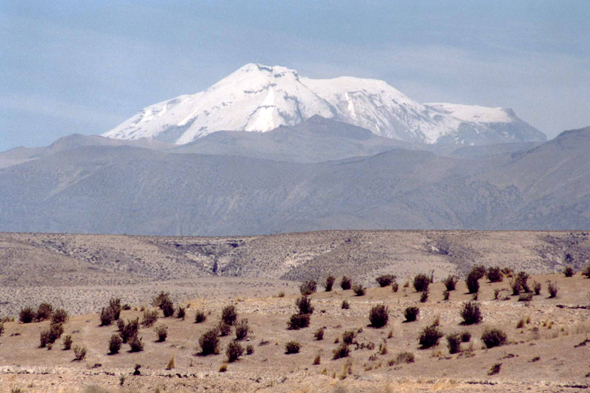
(261, 98)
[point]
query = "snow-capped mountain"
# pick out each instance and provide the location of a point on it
(262, 98)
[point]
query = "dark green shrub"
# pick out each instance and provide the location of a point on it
(200, 317)
(450, 282)
(404, 358)
(586, 271)
(304, 305)
(167, 308)
(537, 287)
(26, 315)
(120, 325)
(329, 283)
(345, 305)
(292, 347)
(553, 289)
(319, 334)
(209, 342)
(59, 316)
(471, 313)
(472, 282)
(242, 329)
(341, 351)
(429, 337)
(44, 311)
(49, 336)
(479, 271)
(106, 316)
(454, 343)
(493, 338)
(149, 318)
(79, 353)
(298, 321)
(115, 306)
(234, 351)
(465, 336)
(130, 330)
(568, 271)
(494, 274)
(229, 315)
(379, 316)
(522, 279)
(359, 290)
(348, 336)
(67, 342)
(181, 313)
(421, 282)
(385, 280)
(224, 329)
(162, 333)
(515, 285)
(345, 284)
(411, 313)
(424, 297)
(308, 287)
(135, 344)
(115, 344)
(163, 297)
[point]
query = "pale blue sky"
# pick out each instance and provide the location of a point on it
(85, 66)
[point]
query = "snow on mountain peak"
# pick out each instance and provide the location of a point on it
(261, 98)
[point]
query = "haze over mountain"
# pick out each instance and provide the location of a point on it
(337, 176)
(262, 98)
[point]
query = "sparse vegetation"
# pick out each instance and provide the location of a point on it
(493, 338)
(44, 312)
(229, 315)
(525, 297)
(341, 351)
(450, 282)
(79, 353)
(59, 316)
(304, 305)
(465, 336)
(404, 358)
(586, 271)
(495, 369)
(164, 303)
(26, 315)
(359, 290)
(292, 347)
(345, 305)
(395, 287)
(379, 316)
(446, 295)
(537, 287)
(421, 282)
(129, 330)
(106, 316)
(553, 289)
(162, 333)
(345, 284)
(223, 329)
(49, 336)
(209, 342)
(115, 344)
(67, 342)
(454, 343)
(472, 281)
(135, 344)
(471, 313)
(385, 280)
(200, 317)
(429, 337)
(348, 336)
(249, 349)
(319, 334)
(411, 313)
(234, 351)
(308, 287)
(424, 297)
(568, 271)
(181, 313)
(329, 283)
(298, 321)
(242, 329)
(149, 318)
(494, 274)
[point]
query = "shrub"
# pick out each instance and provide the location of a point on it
(162, 297)
(465, 336)
(515, 285)
(494, 274)
(44, 311)
(59, 316)
(395, 287)
(115, 344)
(209, 342)
(317, 360)
(106, 316)
(304, 305)
(586, 271)
(446, 295)
(411, 313)
(424, 297)
(120, 325)
(471, 313)
(341, 351)
(162, 333)
(429, 337)
(478, 271)
(495, 369)
(1, 328)
(537, 287)
(345, 284)
(450, 282)
(359, 290)
(348, 336)
(26, 315)
(379, 316)
(67, 342)
(404, 358)
(329, 283)
(229, 315)
(181, 313)
(49, 336)
(421, 283)
(553, 289)
(249, 349)
(136, 344)
(130, 330)
(234, 351)
(292, 347)
(385, 280)
(568, 271)
(472, 281)
(298, 321)
(242, 329)
(115, 306)
(522, 279)
(345, 305)
(200, 317)
(493, 338)
(149, 318)
(167, 308)
(224, 329)
(454, 343)
(525, 297)
(79, 353)
(308, 287)
(319, 334)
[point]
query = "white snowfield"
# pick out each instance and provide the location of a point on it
(261, 98)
